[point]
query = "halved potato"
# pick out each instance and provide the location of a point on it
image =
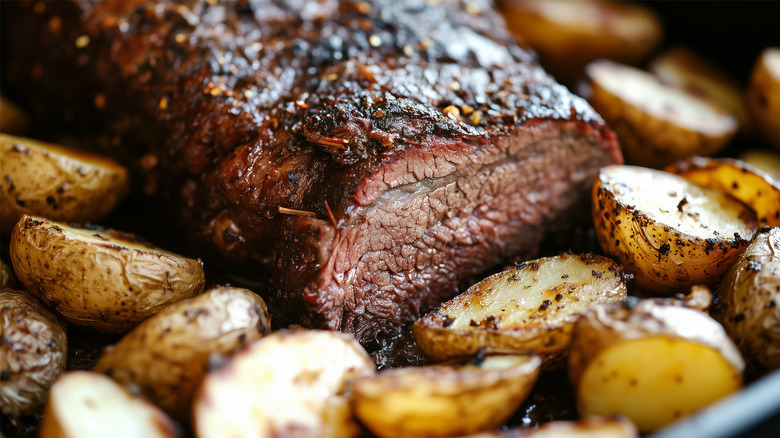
(166, 357)
(668, 232)
(766, 160)
(86, 405)
(530, 308)
(657, 123)
(748, 303)
(590, 427)
(682, 67)
(752, 186)
(12, 119)
(33, 352)
(764, 94)
(97, 277)
(570, 34)
(56, 182)
(444, 400)
(652, 363)
(290, 383)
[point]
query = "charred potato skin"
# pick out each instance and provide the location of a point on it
(106, 287)
(33, 353)
(168, 355)
(747, 303)
(55, 182)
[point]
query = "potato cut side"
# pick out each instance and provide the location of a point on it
(56, 182)
(668, 232)
(766, 160)
(530, 308)
(764, 94)
(657, 123)
(290, 384)
(166, 357)
(13, 120)
(444, 400)
(85, 405)
(756, 188)
(682, 67)
(97, 277)
(590, 427)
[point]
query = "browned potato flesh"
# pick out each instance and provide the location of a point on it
(748, 303)
(652, 363)
(764, 94)
(290, 384)
(100, 278)
(657, 123)
(167, 356)
(570, 34)
(668, 232)
(90, 405)
(33, 352)
(444, 400)
(752, 186)
(56, 182)
(590, 427)
(530, 308)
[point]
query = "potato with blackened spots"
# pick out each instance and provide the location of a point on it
(669, 233)
(445, 400)
(167, 356)
(530, 308)
(651, 362)
(33, 353)
(90, 405)
(748, 303)
(56, 182)
(97, 277)
(764, 94)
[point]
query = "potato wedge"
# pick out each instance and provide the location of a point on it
(90, 405)
(591, 427)
(530, 308)
(167, 356)
(56, 182)
(444, 400)
(33, 352)
(657, 123)
(752, 186)
(12, 119)
(764, 94)
(766, 160)
(668, 232)
(748, 303)
(290, 383)
(652, 363)
(569, 34)
(97, 277)
(682, 67)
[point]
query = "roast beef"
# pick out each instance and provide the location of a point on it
(367, 157)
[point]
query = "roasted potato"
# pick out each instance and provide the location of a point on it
(766, 160)
(97, 277)
(569, 34)
(668, 232)
(56, 182)
(33, 352)
(90, 405)
(167, 356)
(590, 427)
(652, 363)
(752, 186)
(288, 384)
(12, 119)
(748, 303)
(764, 94)
(444, 400)
(657, 123)
(682, 67)
(530, 308)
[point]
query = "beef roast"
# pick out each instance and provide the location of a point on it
(368, 157)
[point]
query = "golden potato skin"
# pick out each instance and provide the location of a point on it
(56, 182)
(168, 355)
(32, 354)
(748, 303)
(108, 284)
(764, 94)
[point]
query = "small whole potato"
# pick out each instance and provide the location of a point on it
(33, 353)
(168, 355)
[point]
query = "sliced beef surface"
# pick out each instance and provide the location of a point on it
(367, 156)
